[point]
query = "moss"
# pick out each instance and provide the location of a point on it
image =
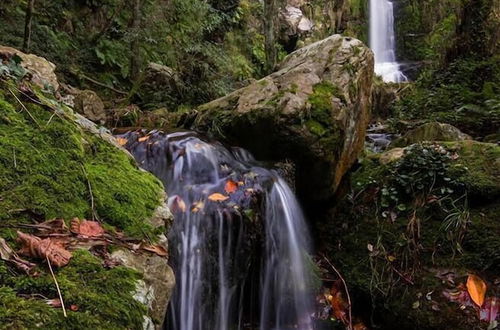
(367, 233)
(55, 169)
(477, 167)
(315, 127)
(104, 297)
(321, 101)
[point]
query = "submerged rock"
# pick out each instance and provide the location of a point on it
(433, 131)
(314, 110)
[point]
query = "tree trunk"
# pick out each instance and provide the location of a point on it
(27, 26)
(135, 59)
(270, 15)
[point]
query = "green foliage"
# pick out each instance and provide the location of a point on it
(49, 167)
(464, 94)
(104, 297)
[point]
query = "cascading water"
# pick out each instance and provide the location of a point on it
(382, 41)
(217, 238)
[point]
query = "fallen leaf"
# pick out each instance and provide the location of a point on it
(176, 204)
(231, 186)
(86, 228)
(489, 311)
(36, 247)
(476, 288)
(144, 138)
(121, 141)
(197, 206)
(158, 249)
(217, 197)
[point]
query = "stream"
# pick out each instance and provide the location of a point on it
(239, 244)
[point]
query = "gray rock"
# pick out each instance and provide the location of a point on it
(313, 111)
(431, 132)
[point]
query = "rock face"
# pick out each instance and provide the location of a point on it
(160, 85)
(314, 111)
(89, 104)
(431, 132)
(41, 70)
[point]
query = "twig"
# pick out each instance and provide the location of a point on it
(94, 214)
(98, 83)
(57, 287)
(345, 288)
(26, 109)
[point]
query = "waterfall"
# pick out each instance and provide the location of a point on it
(235, 269)
(382, 41)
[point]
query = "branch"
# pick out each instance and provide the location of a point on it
(345, 288)
(57, 286)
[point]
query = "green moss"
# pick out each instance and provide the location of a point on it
(52, 168)
(477, 167)
(321, 101)
(379, 256)
(315, 127)
(104, 297)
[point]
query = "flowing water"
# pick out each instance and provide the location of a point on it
(382, 41)
(239, 243)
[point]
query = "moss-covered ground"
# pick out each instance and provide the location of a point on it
(433, 211)
(51, 167)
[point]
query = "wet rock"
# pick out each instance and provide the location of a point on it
(156, 287)
(314, 111)
(89, 104)
(41, 70)
(431, 132)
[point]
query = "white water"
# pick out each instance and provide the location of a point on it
(382, 41)
(215, 251)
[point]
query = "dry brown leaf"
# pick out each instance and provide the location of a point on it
(217, 197)
(144, 138)
(158, 249)
(231, 186)
(121, 141)
(86, 228)
(476, 288)
(177, 204)
(36, 247)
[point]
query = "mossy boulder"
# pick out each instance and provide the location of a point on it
(412, 221)
(54, 163)
(314, 111)
(432, 131)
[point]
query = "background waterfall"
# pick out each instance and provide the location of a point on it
(382, 41)
(216, 248)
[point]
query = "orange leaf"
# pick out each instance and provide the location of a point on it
(86, 228)
(231, 186)
(121, 141)
(144, 138)
(477, 289)
(196, 207)
(217, 197)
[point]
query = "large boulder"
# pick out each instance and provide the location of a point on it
(433, 131)
(41, 70)
(314, 111)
